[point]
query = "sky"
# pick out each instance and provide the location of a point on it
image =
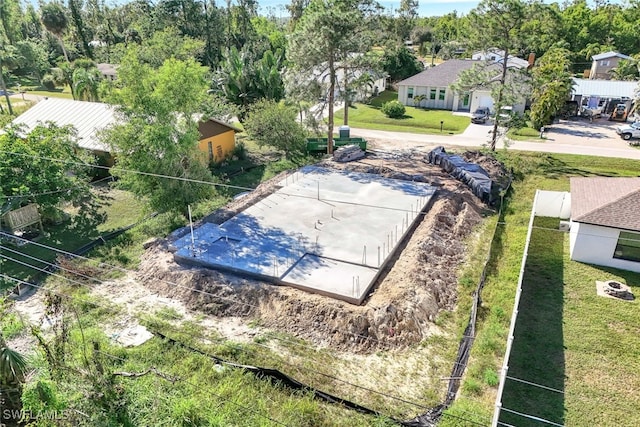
(425, 7)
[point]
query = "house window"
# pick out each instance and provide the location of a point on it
(219, 152)
(432, 94)
(442, 94)
(210, 146)
(628, 247)
(604, 63)
(410, 93)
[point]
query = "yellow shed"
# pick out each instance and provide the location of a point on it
(217, 139)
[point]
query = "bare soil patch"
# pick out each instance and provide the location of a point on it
(400, 311)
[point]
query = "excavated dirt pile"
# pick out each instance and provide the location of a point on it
(421, 282)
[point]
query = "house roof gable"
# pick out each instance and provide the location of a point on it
(209, 128)
(88, 118)
(609, 202)
(441, 75)
(610, 54)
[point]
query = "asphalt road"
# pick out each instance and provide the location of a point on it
(569, 137)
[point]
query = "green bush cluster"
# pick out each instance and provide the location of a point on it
(48, 82)
(393, 109)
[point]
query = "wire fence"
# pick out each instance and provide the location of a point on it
(427, 419)
(431, 417)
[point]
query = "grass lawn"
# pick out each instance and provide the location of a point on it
(570, 339)
(524, 134)
(57, 93)
(564, 319)
(415, 120)
(119, 208)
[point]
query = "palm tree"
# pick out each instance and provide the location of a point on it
(85, 83)
(626, 70)
(6, 55)
(12, 370)
(55, 21)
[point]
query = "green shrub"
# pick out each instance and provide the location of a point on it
(48, 82)
(491, 377)
(472, 386)
(240, 151)
(393, 109)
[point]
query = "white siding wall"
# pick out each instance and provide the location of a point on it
(593, 244)
(482, 98)
(381, 83)
(402, 94)
(446, 104)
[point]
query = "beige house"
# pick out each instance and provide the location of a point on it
(431, 89)
(603, 63)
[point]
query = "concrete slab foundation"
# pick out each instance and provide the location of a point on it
(323, 230)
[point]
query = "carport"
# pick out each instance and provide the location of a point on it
(602, 94)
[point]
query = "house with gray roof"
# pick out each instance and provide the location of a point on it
(603, 63)
(431, 88)
(107, 71)
(605, 222)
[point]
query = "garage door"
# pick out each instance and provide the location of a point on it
(485, 101)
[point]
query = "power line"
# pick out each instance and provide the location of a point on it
(390, 396)
(45, 193)
(179, 178)
(259, 413)
(417, 211)
(58, 266)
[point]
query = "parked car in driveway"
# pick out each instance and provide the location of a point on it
(629, 131)
(481, 115)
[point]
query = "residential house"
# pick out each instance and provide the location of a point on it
(217, 139)
(107, 71)
(432, 89)
(88, 119)
(370, 82)
(605, 225)
(497, 56)
(603, 63)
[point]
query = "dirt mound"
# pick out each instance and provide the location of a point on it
(419, 283)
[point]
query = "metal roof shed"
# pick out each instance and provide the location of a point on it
(88, 118)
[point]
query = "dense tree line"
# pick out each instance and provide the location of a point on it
(35, 41)
(320, 49)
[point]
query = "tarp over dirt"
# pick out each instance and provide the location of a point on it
(471, 174)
